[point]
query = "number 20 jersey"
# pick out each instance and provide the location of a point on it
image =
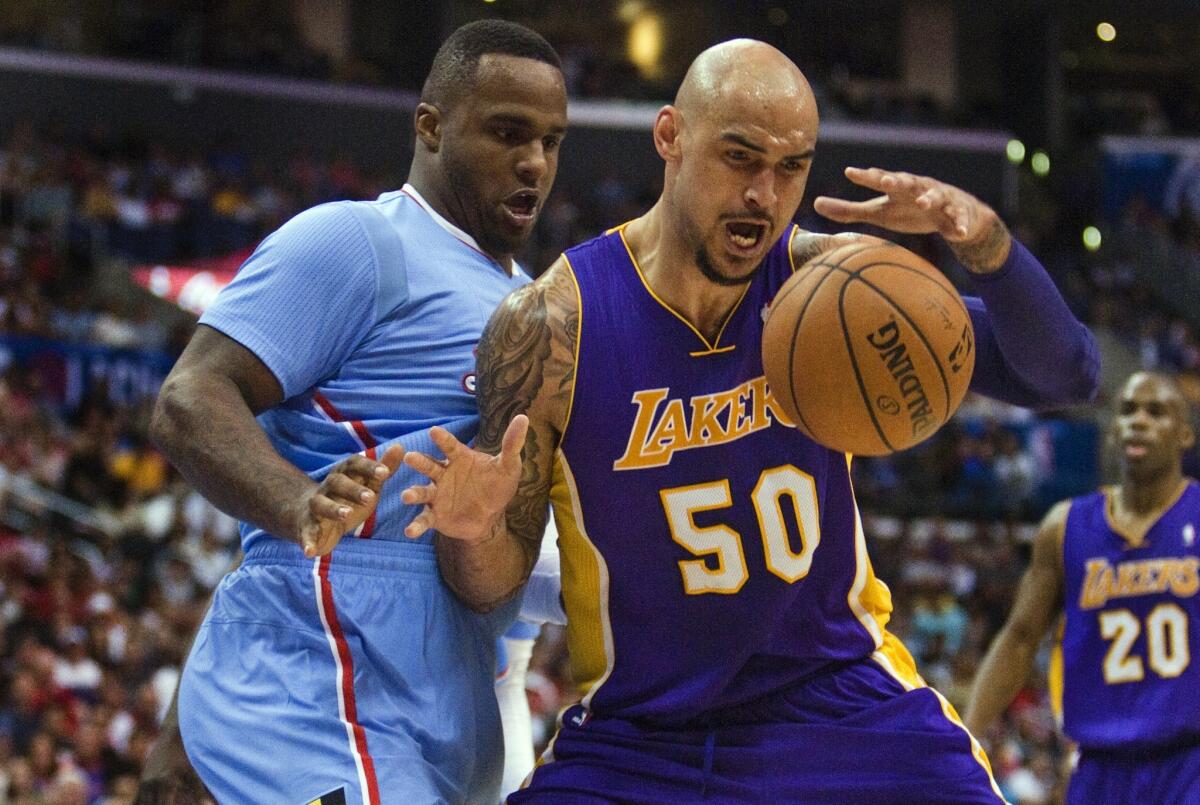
(1129, 672)
(711, 553)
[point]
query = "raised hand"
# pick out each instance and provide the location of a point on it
(344, 499)
(919, 205)
(468, 490)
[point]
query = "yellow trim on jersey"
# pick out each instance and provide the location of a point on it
(894, 658)
(1137, 540)
(871, 602)
(578, 340)
(869, 598)
(584, 588)
(1055, 678)
(791, 257)
(710, 348)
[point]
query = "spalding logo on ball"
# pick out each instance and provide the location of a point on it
(868, 348)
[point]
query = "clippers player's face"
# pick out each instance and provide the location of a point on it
(1151, 427)
(744, 166)
(500, 148)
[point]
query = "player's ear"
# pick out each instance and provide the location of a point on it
(666, 133)
(428, 122)
(1187, 436)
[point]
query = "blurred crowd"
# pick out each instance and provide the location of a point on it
(106, 556)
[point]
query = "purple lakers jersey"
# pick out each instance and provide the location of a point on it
(1132, 616)
(711, 553)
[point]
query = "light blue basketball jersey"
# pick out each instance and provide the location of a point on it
(368, 314)
(356, 676)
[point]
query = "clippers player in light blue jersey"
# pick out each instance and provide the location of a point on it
(334, 665)
(728, 636)
(1119, 570)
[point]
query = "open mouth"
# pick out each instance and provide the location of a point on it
(745, 236)
(522, 206)
(1136, 449)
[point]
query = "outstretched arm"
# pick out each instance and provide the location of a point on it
(1031, 350)
(1039, 600)
(490, 510)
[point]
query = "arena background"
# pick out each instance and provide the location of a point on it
(145, 147)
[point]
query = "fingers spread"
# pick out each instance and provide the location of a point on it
(391, 460)
(419, 494)
(867, 177)
(424, 465)
(420, 524)
(445, 441)
(849, 212)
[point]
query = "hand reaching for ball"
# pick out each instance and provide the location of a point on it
(920, 205)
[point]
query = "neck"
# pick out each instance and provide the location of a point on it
(670, 269)
(445, 202)
(1151, 494)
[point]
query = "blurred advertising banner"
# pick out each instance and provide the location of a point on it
(63, 374)
(193, 285)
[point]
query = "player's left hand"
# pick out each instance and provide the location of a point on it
(469, 490)
(912, 204)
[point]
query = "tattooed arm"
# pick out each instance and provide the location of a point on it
(525, 365)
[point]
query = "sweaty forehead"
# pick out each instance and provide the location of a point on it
(779, 110)
(514, 81)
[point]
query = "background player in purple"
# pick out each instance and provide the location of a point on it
(727, 634)
(1122, 568)
(334, 665)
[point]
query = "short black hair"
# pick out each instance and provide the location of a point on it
(453, 70)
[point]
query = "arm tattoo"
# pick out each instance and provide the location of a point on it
(807, 245)
(526, 364)
(987, 254)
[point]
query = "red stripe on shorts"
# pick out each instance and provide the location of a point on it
(347, 663)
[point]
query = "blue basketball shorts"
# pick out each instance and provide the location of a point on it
(356, 676)
(853, 736)
(1137, 777)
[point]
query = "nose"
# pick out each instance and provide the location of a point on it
(1138, 419)
(532, 164)
(760, 192)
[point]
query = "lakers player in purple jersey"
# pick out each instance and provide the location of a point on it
(727, 634)
(1121, 569)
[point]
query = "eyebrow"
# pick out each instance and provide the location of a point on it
(730, 136)
(521, 121)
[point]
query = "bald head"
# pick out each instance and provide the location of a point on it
(741, 72)
(738, 144)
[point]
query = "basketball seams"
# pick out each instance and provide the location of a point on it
(791, 373)
(852, 251)
(950, 291)
(937, 360)
(922, 312)
(862, 387)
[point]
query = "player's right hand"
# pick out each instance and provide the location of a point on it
(344, 500)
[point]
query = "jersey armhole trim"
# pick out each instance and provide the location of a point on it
(791, 256)
(562, 436)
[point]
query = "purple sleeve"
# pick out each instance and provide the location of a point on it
(1030, 349)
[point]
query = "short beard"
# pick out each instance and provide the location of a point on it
(704, 263)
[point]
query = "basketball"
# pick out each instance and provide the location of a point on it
(868, 348)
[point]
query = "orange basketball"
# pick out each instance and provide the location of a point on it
(868, 348)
